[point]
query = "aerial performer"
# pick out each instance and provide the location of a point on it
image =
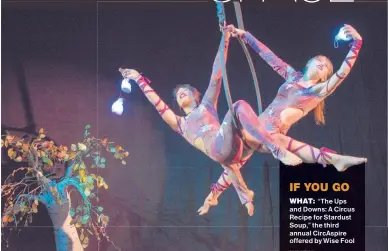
(301, 93)
(201, 127)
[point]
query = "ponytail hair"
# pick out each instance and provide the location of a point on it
(319, 110)
(319, 113)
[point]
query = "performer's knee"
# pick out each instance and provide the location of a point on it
(281, 139)
(242, 105)
(230, 168)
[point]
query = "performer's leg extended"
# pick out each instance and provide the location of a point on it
(323, 156)
(255, 134)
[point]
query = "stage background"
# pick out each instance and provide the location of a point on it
(59, 71)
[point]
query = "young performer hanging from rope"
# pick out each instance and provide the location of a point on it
(300, 94)
(201, 127)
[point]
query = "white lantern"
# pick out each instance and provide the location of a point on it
(118, 107)
(126, 86)
(342, 36)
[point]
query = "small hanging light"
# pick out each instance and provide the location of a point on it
(341, 36)
(126, 86)
(118, 107)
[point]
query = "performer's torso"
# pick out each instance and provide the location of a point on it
(200, 126)
(292, 102)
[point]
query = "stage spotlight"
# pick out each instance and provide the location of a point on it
(118, 107)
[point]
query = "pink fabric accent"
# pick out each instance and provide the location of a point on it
(295, 150)
(143, 85)
(324, 154)
(355, 47)
(223, 177)
(214, 188)
(143, 82)
(289, 145)
(148, 91)
(222, 187)
(162, 111)
(347, 60)
(338, 76)
(157, 103)
(237, 157)
(313, 155)
(219, 187)
(179, 125)
(356, 43)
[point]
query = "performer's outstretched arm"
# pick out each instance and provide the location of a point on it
(281, 67)
(326, 88)
(213, 91)
(164, 111)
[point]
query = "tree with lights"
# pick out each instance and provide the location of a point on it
(26, 187)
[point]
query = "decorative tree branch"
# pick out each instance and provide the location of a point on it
(25, 187)
(33, 161)
(69, 170)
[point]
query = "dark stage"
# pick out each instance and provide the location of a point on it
(60, 63)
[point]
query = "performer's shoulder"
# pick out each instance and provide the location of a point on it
(296, 76)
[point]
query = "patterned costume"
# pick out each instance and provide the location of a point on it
(223, 142)
(201, 127)
(290, 95)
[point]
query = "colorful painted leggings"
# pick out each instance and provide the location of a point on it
(229, 149)
(253, 126)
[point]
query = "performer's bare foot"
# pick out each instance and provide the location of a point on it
(341, 163)
(287, 157)
(209, 202)
(251, 195)
(204, 209)
(250, 207)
